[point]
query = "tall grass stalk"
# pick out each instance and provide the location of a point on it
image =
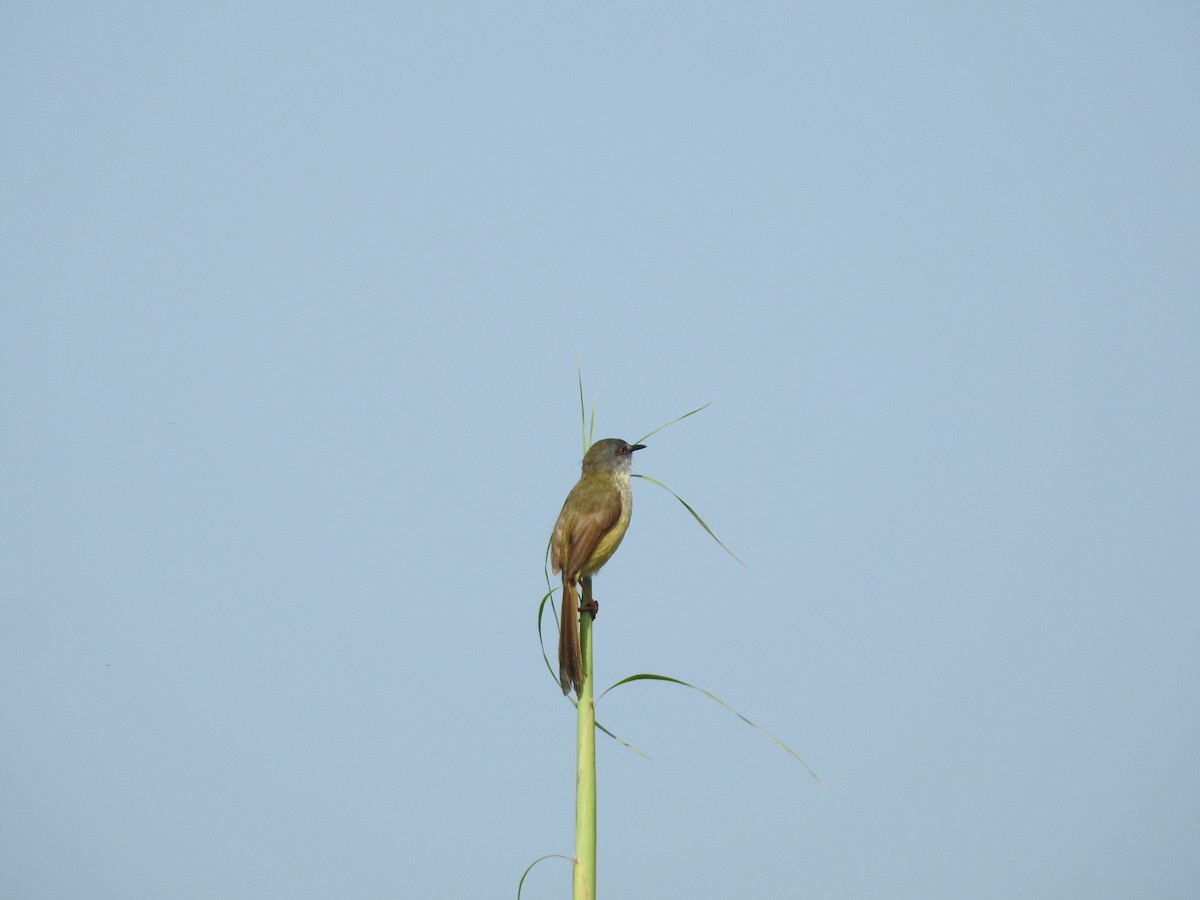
(583, 878)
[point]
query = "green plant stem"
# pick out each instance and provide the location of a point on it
(583, 880)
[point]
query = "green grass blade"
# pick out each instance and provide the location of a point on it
(673, 421)
(648, 677)
(695, 514)
(583, 429)
(534, 863)
(624, 743)
(541, 640)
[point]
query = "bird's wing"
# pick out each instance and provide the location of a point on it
(576, 535)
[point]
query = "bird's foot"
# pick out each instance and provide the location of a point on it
(590, 606)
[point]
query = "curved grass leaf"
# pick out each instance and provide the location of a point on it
(695, 514)
(534, 863)
(648, 677)
(541, 640)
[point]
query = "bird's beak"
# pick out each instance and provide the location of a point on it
(637, 447)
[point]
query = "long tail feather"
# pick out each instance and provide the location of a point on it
(570, 663)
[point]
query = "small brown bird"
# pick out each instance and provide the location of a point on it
(589, 529)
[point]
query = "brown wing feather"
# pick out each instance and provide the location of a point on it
(576, 535)
(586, 531)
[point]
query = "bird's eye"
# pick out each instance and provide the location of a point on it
(623, 451)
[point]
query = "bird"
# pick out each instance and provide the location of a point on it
(593, 520)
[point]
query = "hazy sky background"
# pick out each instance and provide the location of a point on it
(291, 300)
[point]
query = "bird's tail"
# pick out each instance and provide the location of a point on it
(570, 663)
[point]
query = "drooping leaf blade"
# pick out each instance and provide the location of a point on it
(646, 676)
(695, 514)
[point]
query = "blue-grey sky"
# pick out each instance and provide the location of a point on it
(291, 301)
